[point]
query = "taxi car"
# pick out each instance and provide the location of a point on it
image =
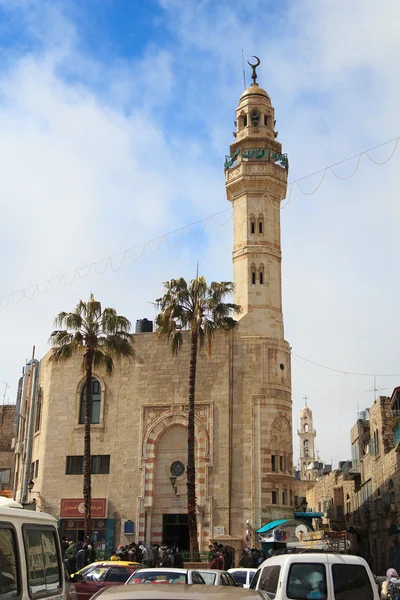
(103, 574)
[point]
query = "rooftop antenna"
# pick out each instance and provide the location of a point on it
(305, 398)
(6, 387)
(375, 389)
(244, 71)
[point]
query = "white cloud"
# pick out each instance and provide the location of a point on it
(99, 157)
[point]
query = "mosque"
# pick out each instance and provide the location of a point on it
(139, 421)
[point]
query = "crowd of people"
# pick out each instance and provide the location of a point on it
(251, 558)
(80, 554)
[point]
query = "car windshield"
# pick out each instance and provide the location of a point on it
(154, 576)
(239, 576)
(209, 578)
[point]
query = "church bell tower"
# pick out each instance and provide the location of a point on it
(256, 174)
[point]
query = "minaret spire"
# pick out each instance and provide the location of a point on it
(254, 67)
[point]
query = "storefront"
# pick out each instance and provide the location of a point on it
(72, 524)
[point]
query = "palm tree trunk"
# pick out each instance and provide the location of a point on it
(191, 466)
(87, 470)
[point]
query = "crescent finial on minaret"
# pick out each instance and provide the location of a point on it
(254, 67)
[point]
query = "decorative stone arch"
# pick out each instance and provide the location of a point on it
(156, 420)
(78, 391)
(260, 224)
(161, 424)
(252, 224)
(253, 274)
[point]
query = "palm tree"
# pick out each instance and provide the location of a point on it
(101, 335)
(201, 310)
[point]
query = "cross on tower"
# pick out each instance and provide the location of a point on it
(305, 398)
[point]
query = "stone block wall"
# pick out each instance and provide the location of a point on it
(7, 433)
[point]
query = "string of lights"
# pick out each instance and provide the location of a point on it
(115, 261)
(354, 374)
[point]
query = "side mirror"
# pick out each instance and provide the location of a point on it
(76, 577)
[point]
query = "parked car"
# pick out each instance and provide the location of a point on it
(316, 575)
(103, 574)
(31, 563)
(243, 576)
(106, 563)
(165, 575)
(186, 592)
(217, 577)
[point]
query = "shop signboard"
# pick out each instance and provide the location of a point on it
(74, 508)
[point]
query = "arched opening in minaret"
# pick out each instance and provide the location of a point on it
(306, 428)
(252, 224)
(261, 223)
(261, 274)
(253, 274)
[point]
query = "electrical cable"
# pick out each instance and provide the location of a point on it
(18, 296)
(346, 372)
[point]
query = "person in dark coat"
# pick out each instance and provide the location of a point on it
(215, 562)
(178, 559)
(81, 557)
(168, 560)
(71, 563)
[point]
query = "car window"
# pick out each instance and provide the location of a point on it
(209, 578)
(230, 579)
(225, 579)
(116, 574)
(254, 581)
(351, 581)
(240, 576)
(9, 566)
(306, 580)
(43, 561)
(155, 576)
(269, 579)
(197, 578)
(96, 574)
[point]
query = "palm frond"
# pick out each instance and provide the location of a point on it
(103, 359)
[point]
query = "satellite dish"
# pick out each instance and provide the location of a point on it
(300, 529)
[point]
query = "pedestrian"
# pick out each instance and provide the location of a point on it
(246, 560)
(120, 552)
(168, 560)
(71, 562)
(156, 552)
(391, 586)
(215, 562)
(178, 559)
(81, 558)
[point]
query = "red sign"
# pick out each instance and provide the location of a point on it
(75, 508)
(6, 493)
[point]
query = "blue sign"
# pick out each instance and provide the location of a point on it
(129, 528)
(257, 154)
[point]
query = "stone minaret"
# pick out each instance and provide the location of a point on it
(307, 435)
(256, 181)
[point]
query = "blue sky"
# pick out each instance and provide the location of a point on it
(115, 117)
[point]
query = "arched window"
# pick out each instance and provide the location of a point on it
(306, 448)
(96, 402)
(253, 274)
(252, 224)
(38, 411)
(260, 223)
(261, 274)
(306, 427)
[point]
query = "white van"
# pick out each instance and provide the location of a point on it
(31, 564)
(320, 576)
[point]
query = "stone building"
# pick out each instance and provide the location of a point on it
(363, 495)
(139, 423)
(7, 434)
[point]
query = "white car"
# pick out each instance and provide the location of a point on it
(242, 575)
(217, 577)
(165, 575)
(315, 575)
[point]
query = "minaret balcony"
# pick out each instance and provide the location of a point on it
(306, 433)
(254, 168)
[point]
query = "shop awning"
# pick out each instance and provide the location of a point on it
(272, 525)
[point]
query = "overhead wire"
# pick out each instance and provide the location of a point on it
(29, 292)
(353, 373)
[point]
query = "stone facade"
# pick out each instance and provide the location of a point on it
(363, 495)
(243, 394)
(7, 433)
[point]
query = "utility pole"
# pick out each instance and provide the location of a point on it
(6, 387)
(375, 389)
